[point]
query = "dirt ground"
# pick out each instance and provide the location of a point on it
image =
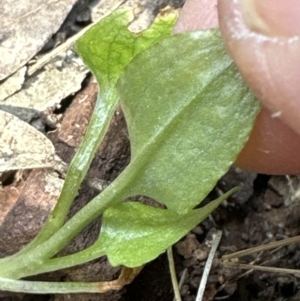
(265, 210)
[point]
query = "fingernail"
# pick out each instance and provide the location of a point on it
(272, 17)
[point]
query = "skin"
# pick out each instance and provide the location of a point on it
(267, 53)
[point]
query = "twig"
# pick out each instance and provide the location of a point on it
(181, 281)
(173, 274)
(262, 268)
(208, 265)
(231, 260)
(272, 245)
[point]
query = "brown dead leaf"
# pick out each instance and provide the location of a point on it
(8, 198)
(25, 208)
(22, 146)
(104, 7)
(77, 117)
(65, 72)
(12, 84)
(98, 12)
(25, 26)
(62, 77)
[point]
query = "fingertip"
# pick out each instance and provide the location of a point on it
(269, 64)
(273, 147)
(197, 15)
(272, 17)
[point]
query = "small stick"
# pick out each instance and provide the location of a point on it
(208, 265)
(181, 281)
(173, 274)
(272, 245)
(262, 268)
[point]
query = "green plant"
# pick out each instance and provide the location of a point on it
(188, 114)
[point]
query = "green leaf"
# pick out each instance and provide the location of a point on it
(108, 47)
(133, 234)
(188, 113)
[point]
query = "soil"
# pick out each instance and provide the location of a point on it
(265, 210)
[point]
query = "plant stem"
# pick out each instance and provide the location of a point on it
(78, 168)
(176, 288)
(41, 287)
(64, 262)
(30, 262)
(181, 281)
